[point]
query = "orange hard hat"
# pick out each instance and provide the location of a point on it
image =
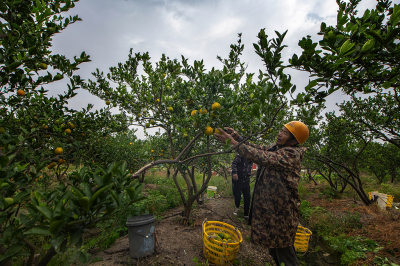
(299, 130)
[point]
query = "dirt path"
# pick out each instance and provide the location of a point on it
(177, 244)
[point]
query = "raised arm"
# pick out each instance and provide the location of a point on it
(287, 157)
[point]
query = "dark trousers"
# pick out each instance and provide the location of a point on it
(285, 255)
(238, 188)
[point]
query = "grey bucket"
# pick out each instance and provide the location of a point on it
(141, 235)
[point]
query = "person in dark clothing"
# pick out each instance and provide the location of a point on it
(275, 210)
(241, 171)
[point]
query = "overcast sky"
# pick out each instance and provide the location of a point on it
(193, 28)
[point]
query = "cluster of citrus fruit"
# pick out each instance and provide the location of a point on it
(214, 107)
(222, 237)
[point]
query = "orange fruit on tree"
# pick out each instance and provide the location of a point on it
(20, 92)
(215, 106)
(208, 131)
(71, 125)
(158, 100)
(217, 131)
(108, 102)
(9, 201)
(193, 113)
(43, 65)
(203, 111)
(51, 165)
(68, 131)
(170, 108)
(58, 151)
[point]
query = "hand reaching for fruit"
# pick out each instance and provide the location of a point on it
(223, 136)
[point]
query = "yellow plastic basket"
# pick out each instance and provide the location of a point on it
(389, 201)
(302, 238)
(217, 251)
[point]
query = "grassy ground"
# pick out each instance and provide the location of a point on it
(345, 229)
(336, 235)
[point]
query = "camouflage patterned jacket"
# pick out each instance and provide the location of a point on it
(275, 210)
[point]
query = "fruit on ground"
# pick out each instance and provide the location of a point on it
(208, 131)
(58, 151)
(215, 106)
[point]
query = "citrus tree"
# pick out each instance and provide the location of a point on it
(188, 102)
(382, 161)
(342, 153)
(359, 57)
(43, 207)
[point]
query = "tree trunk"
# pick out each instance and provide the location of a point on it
(188, 210)
(311, 177)
(392, 175)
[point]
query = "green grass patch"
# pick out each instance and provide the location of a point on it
(351, 248)
(332, 229)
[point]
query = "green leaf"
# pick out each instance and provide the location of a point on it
(45, 211)
(368, 45)
(38, 231)
(395, 16)
(99, 192)
(387, 84)
(84, 203)
(11, 252)
(311, 84)
(346, 46)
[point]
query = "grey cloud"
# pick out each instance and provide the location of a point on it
(197, 29)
